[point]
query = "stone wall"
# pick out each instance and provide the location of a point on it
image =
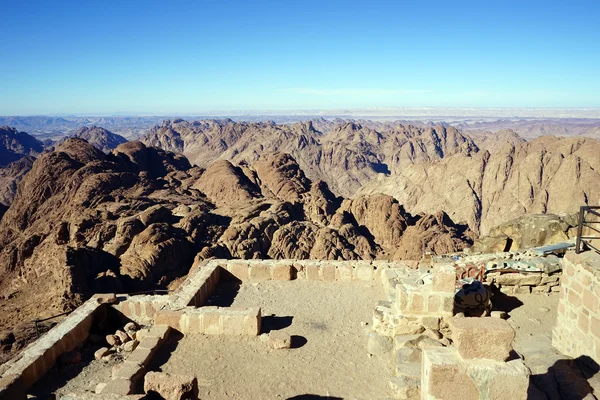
(316, 270)
(577, 330)
(40, 356)
(525, 282)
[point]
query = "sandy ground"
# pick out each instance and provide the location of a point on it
(330, 358)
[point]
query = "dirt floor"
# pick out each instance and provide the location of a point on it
(328, 357)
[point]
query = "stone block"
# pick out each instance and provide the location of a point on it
(444, 376)
(170, 318)
(212, 323)
(590, 300)
(150, 342)
(574, 298)
(159, 331)
(312, 272)
(364, 273)
(328, 272)
(280, 340)
(101, 352)
(344, 273)
(502, 380)
(233, 324)
(128, 370)
(259, 273)
(408, 355)
(282, 272)
(434, 304)
(482, 338)
(239, 271)
(141, 356)
(416, 303)
(549, 279)
(252, 322)
(171, 386)
(519, 279)
(444, 280)
(401, 298)
(431, 323)
(447, 305)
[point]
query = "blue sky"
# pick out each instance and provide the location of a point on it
(99, 57)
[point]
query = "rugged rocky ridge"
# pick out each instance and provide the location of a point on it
(98, 137)
(83, 221)
(482, 180)
(10, 176)
(15, 145)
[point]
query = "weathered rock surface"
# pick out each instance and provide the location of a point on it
(10, 176)
(530, 230)
(481, 181)
(170, 386)
(98, 137)
(15, 145)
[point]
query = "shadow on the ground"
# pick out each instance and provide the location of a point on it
(297, 341)
(275, 323)
(164, 352)
(565, 379)
(224, 294)
(313, 397)
(504, 302)
(60, 374)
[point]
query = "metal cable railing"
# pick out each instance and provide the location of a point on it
(586, 212)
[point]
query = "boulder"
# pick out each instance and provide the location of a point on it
(170, 386)
(280, 340)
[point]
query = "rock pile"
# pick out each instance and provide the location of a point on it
(122, 341)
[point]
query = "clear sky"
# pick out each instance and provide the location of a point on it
(191, 56)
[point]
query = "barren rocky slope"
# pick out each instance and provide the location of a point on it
(15, 145)
(482, 180)
(83, 221)
(10, 176)
(98, 137)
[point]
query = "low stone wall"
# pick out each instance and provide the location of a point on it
(577, 330)
(212, 320)
(197, 287)
(316, 270)
(140, 308)
(40, 356)
(525, 282)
